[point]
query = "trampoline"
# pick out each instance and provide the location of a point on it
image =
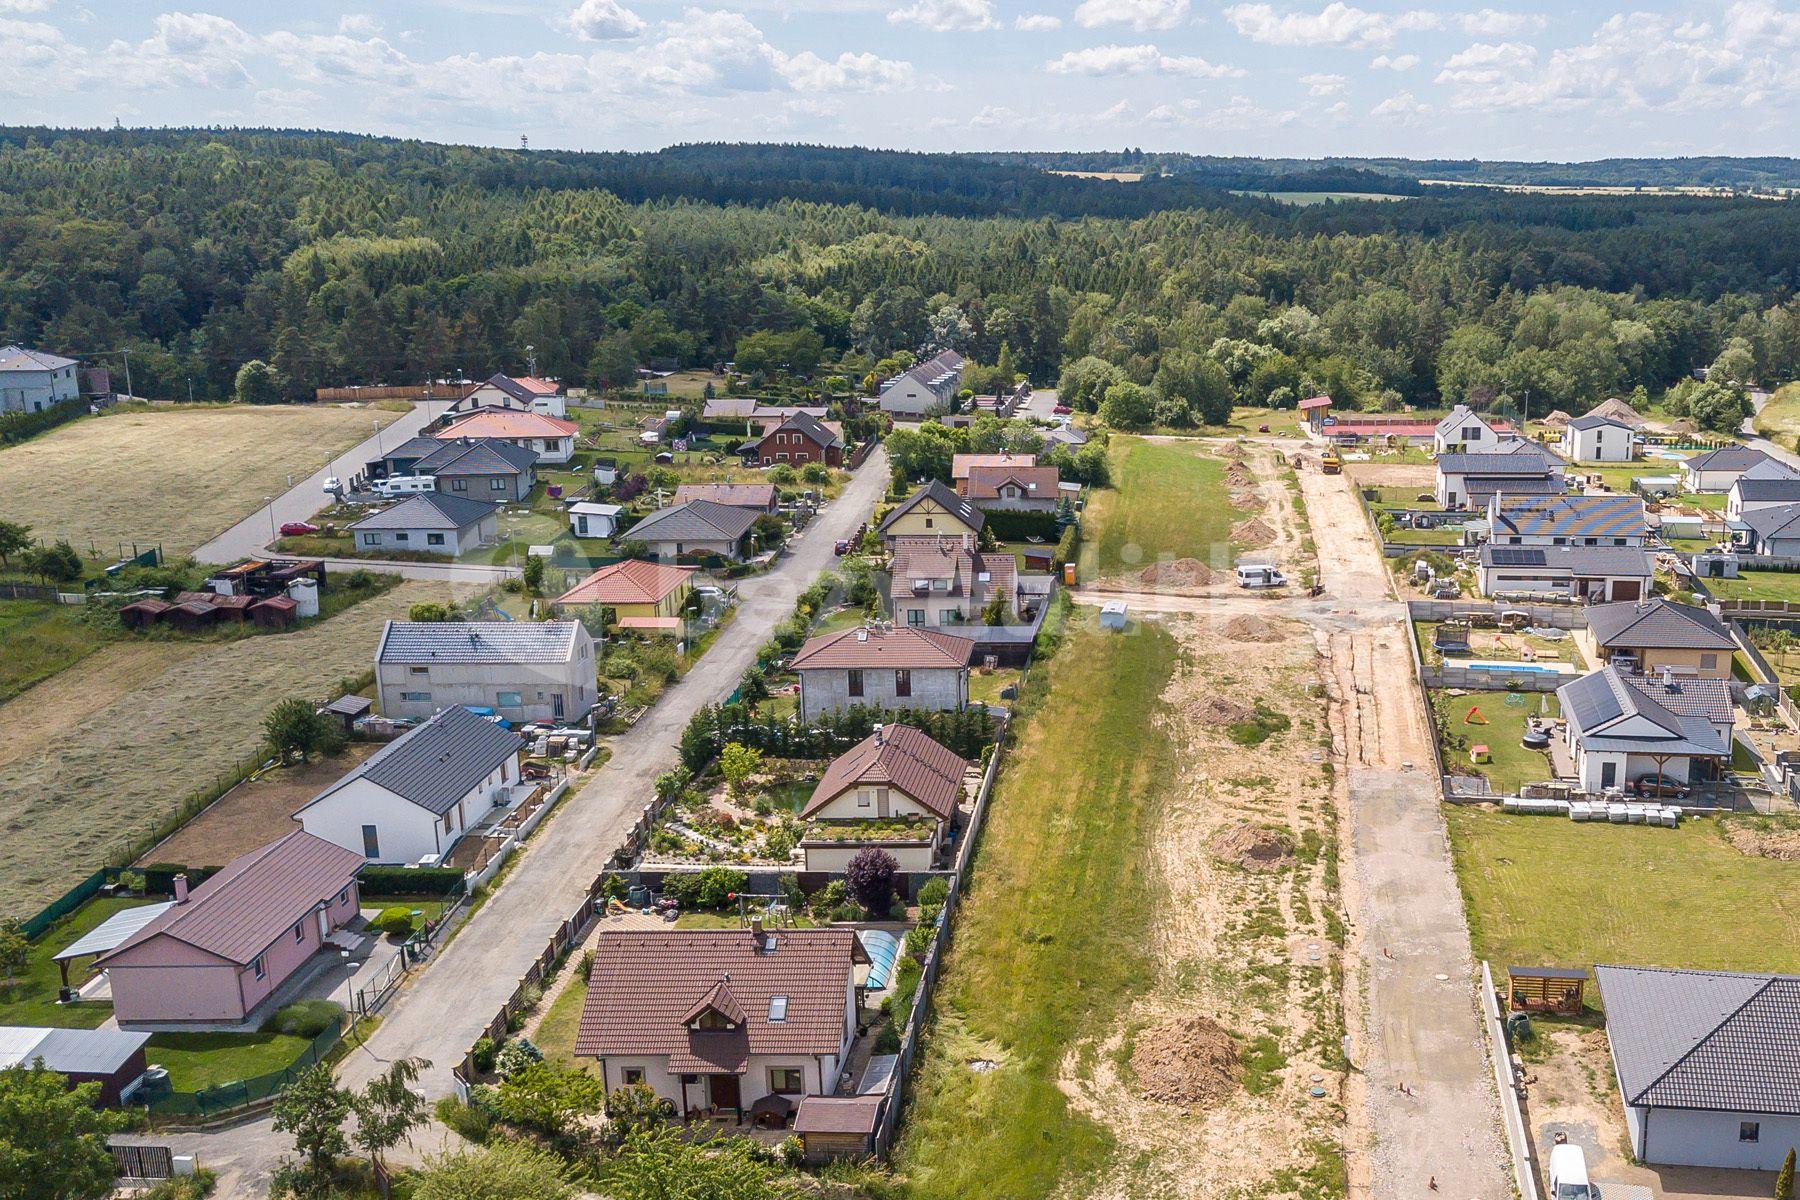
(884, 951)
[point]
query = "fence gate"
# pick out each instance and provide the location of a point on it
(133, 1161)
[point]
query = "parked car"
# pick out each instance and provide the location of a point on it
(1568, 1173)
(333, 485)
(1255, 575)
(842, 548)
(1660, 787)
(298, 529)
(1061, 410)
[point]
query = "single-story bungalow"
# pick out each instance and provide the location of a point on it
(1774, 529)
(551, 437)
(1768, 484)
(523, 670)
(897, 788)
(762, 497)
(1599, 573)
(1717, 470)
(1621, 727)
(1472, 481)
(883, 667)
(1563, 520)
(634, 590)
(432, 522)
(1652, 635)
(697, 527)
(481, 469)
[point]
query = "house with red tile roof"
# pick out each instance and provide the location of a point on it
(1012, 488)
(962, 464)
(551, 437)
(739, 1021)
(518, 393)
(643, 595)
(218, 952)
(945, 581)
(898, 789)
(883, 666)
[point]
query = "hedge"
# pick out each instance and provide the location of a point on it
(410, 881)
(1012, 526)
(16, 427)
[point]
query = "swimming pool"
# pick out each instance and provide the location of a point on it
(883, 948)
(1513, 668)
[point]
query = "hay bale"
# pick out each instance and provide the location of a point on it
(1190, 1061)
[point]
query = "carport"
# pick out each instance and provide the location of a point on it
(108, 935)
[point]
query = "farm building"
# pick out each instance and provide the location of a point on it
(882, 667)
(523, 670)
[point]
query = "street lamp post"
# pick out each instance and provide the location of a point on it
(270, 500)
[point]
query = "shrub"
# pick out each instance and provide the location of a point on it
(830, 896)
(465, 1119)
(792, 1150)
(918, 941)
(396, 921)
(709, 889)
(634, 1108)
(870, 874)
(404, 881)
(587, 965)
(847, 911)
(934, 893)
(888, 1040)
(305, 1018)
(515, 1056)
(483, 1053)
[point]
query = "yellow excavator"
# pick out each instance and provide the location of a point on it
(1330, 464)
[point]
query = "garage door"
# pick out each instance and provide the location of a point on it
(1626, 589)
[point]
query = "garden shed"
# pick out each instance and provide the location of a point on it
(1546, 989)
(142, 614)
(277, 612)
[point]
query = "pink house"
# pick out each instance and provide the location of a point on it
(212, 956)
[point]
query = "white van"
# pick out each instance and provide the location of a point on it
(405, 485)
(1257, 575)
(1568, 1174)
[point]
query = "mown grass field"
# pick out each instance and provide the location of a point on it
(1758, 585)
(1544, 891)
(1165, 503)
(1050, 943)
(31, 1000)
(41, 638)
(1511, 764)
(177, 477)
(1780, 418)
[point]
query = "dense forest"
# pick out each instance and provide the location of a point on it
(344, 259)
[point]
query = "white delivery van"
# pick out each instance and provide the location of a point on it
(1256, 575)
(1568, 1174)
(405, 485)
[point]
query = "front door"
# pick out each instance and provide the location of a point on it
(556, 704)
(1609, 774)
(722, 1091)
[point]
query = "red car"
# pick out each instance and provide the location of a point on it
(298, 529)
(1062, 410)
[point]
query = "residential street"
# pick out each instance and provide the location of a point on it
(444, 1007)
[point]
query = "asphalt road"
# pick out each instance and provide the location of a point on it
(440, 1012)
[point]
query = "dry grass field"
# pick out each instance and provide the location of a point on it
(94, 755)
(177, 476)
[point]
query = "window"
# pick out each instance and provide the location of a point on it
(371, 539)
(371, 842)
(864, 798)
(416, 697)
(632, 1075)
(915, 616)
(786, 1081)
(497, 484)
(777, 1009)
(299, 931)
(259, 969)
(419, 670)
(928, 522)
(343, 895)
(1709, 662)
(401, 536)
(509, 699)
(855, 682)
(434, 539)
(1471, 433)
(940, 585)
(902, 683)
(712, 1018)
(1749, 1131)
(459, 485)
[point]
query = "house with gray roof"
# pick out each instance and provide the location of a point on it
(1767, 485)
(412, 800)
(523, 670)
(432, 523)
(1464, 431)
(1717, 470)
(1473, 480)
(31, 380)
(1596, 573)
(1621, 727)
(696, 527)
(1523, 520)
(1770, 529)
(926, 388)
(487, 469)
(1652, 635)
(1597, 437)
(1707, 1063)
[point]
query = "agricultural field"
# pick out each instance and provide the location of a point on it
(96, 756)
(41, 637)
(1167, 502)
(1706, 895)
(175, 476)
(1779, 419)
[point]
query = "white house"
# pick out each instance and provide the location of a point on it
(883, 667)
(728, 1021)
(1566, 520)
(946, 581)
(1765, 485)
(1620, 728)
(590, 519)
(523, 670)
(1594, 573)
(1704, 1064)
(897, 789)
(415, 798)
(432, 523)
(1472, 481)
(31, 380)
(1717, 470)
(1463, 431)
(1595, 438)
(926, 388)
(518, 394)
(552, 438)
(1769, 529)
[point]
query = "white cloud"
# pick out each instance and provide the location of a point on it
(1491, 22)
(1237, 113)
(23, 7)
(1141, 15)
(1394, 62)
(1337, 24)
(807, 72)
(197, 50)
(359, 25)
(1487, 63)
(945, 16)
(1136, 60)
(1037, 23)
(604, 21)
(1324, 85)
(1402, 107)
(993, 115)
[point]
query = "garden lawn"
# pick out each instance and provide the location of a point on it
(41, 638)
(1168, 500)
(197, 1061)
(1512, 763)
(1051, 939)
(1758, 585)
(556, 1032)
(1544, 890)
(32, 998)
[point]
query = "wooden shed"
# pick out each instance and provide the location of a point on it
(234, 608)
(837, 1126)
(1546, 989)
(191, 616)
(142, 614)
(277, 612)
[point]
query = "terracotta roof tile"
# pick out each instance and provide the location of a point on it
(900, 648)
(903, 757)
(633, 581)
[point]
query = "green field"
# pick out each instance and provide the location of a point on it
(1544, 891)
(1758, 585)
(41, 638)
(1780, 417)
(1049, 944)
(1165, 503)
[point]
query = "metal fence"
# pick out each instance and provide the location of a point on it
(26, 591)
(133, 1160)
(241, 1093)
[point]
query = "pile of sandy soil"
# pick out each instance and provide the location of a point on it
(1783, 844)
(1252, 531)
(1253, 847)
(1217, 710)
(1180, 572)
(1247, 628)
(1188, 1061)
(1245, 501)
(1238, 475)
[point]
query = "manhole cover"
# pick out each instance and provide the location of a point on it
(1316, 1093)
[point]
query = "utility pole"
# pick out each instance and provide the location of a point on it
(531, 361)
(129, 394)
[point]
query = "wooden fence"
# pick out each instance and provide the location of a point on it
(133, 1160)
(423, 391)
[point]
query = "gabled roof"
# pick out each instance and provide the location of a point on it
(985, 482)
(505, 423)
(524, 389)
(804, 423)
(414, 448)
(477, 642)
(694, 521)
(1785, 490)
(719, 1000)
(18, 358)
(1569, 516)
(970, 573)
(1597, 703)
(255, 898)
(898, 647)
(633, 581)
(1770, 469)
(436, 764)
(647, 985)
(1727, 458)
(1312, 402)
(902, 757)
(69, 1051)
(429, 510)
(476, 456)
(1459, 416)
(1772, 521)
(1497, 464)
(1598, 420)
(741, 495)
(945, 499)
(1659, 625)
(1704, 1039)
(962, 464)
(1626, 561)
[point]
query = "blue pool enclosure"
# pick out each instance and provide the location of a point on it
(884, 951)
(1514, 668)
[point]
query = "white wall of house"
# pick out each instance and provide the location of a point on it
(518, 691)
(669, 551)
(927, 610)
(1493, 580)
(403, 831)
(1704, 1138)
(910, 398)
(34, 391)
(936, 689)
(1707, 481)
(1736, 506)
(432, 541)
(872, 802)
(835, 856)
(1470, 435)
(1604, 443)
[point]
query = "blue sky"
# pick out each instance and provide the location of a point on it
(1569, 81)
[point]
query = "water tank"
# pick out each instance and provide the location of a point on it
(305, 594)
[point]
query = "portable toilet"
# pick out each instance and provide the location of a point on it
(305, 594)
(1069, 574)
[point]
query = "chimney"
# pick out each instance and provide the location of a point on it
(756, 931)
(878, 734)
(1668, 674)
(968, 540)
(181, 889)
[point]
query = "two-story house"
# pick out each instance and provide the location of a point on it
(551, 437)
(31, 380)
(932, 511)
(926, 388)
(1597, 438)
(518, 394)
(946, 581)
(798, 440)
(1014, 489)
(883, 667)
(897, 789)
(1464, 431)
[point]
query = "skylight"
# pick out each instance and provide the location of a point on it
(777, 1008)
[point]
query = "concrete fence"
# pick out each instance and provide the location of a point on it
(1477, 680)
(1550, 616)
(1512, 1113)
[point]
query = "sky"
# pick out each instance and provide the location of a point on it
(1577, 80)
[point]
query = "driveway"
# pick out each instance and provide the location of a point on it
(447, 1004)
(1038, 405)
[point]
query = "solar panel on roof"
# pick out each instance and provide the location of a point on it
(1518, 556)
